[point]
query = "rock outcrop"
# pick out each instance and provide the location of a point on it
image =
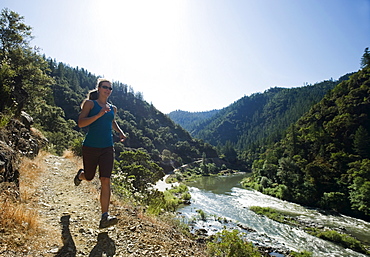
(17, 139)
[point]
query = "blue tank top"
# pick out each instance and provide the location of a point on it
(100, 131)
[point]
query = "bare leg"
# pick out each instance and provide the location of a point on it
(82, 176)
(105, 194)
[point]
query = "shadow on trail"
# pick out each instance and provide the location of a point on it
(69, 247)
(104, 245)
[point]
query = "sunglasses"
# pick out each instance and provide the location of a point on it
(105, 87)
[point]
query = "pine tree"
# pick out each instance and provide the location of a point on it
(365, 60)
(23, 70)
(361, 142)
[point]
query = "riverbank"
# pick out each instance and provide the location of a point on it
(162, 184)
(225, 203)
(335, 235)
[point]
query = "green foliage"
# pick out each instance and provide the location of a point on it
(182, 188)
(361, 142)
(359, 185)
(140, 168)
(259, 119)
(300, 254)
(167, 201)
(4, 119)
(230, 244)
(323, 159)
(122, 186)
(59, 131)
(162, 201)
(277, 215)
(24, 82)
(344, 240)
(76, 146)
(365, 60)
(191, 120)
(202, 214)
(332, 200)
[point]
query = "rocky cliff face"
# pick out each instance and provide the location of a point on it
(17, 139)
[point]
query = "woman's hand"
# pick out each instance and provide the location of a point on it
(122, 137)
(103, 111)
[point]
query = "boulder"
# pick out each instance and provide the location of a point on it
(9, 164)
(26, 119)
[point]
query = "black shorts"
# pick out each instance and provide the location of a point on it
(94, 157)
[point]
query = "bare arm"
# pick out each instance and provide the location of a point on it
(115, 126)
(83, 120)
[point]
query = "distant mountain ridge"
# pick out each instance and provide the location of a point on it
(254, 120)
(190, 120)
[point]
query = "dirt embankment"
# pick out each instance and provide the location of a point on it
(70, 218)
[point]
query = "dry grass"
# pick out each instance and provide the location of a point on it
(15, 215)
(20, 212)
(30, 172)
(68, 154)
(20, 225)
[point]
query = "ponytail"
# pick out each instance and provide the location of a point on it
(93, 95)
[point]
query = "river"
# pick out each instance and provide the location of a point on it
(223, 199)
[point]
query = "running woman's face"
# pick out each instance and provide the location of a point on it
(105, 88)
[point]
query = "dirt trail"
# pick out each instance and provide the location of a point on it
(75, 213)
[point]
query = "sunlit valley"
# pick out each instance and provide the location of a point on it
(287, 168)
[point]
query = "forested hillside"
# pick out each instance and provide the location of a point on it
(324, 159)
(259, 119)
(191, 120)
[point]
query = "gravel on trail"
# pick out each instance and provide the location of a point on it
(74, 213)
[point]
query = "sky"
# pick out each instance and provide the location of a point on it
(200, 55)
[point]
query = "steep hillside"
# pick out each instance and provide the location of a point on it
(324, 159)
(261, 118)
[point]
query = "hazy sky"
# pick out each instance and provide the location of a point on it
(199, 55)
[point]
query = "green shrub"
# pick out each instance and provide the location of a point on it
(182, 188)
(202, 214)
(343, 239)
(268, 212)
(301, 254)
(230, 244)
(186, 196)
(76, 146)
(162, 201)
(4, 119)
(156, 204)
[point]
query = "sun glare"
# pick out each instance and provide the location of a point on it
(142, 39)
